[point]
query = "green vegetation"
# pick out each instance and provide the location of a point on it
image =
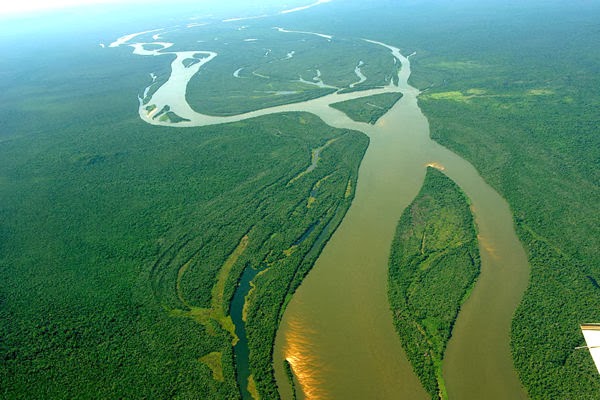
(121, 243)
(512, 87)
(165, 114)
(531, 130)
(289, 254)
(115, 235)
(368, 109)
(125, 249)
(290, 376)
(268, 72)
(433, 265)
(518, 98)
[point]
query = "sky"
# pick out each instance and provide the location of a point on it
(21, 6)
(24, 6)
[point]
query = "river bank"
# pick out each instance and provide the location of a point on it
(337, 332)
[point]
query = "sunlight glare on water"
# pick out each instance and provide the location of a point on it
(304, 365)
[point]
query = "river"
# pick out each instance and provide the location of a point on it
(337, 332)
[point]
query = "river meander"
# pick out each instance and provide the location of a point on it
(337, 331)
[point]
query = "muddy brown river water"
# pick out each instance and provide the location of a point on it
(337, 332)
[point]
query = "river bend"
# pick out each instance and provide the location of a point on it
(337, 332)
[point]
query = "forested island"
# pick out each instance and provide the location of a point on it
(434, 263)
(368, 109)
(132, 254)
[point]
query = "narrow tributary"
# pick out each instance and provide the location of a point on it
(337, 332)
(236, 311)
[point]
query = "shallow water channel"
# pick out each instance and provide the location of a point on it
(337, 332)
(236, 311)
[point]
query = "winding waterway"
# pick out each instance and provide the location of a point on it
(337, 331)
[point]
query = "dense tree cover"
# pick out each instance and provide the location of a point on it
(290, 376)
(268, 71)
(288, 258)
(529, 123)
(368, 109)
(512, 87)
(433, 265)
(114, 233)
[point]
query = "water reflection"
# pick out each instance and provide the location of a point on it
(307, 368)
(436, 165)
(343, 316)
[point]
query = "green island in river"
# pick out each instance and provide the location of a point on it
(434, 263)
(146, 254)
(368, 109)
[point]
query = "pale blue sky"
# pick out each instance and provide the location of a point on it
(23, 6)
(10, 7)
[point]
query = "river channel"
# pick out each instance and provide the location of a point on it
(337, 331)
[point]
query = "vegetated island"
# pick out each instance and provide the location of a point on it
(535, 140)
(368, 109)
(434, 263)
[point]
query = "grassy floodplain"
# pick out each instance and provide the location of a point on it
(434, 263)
